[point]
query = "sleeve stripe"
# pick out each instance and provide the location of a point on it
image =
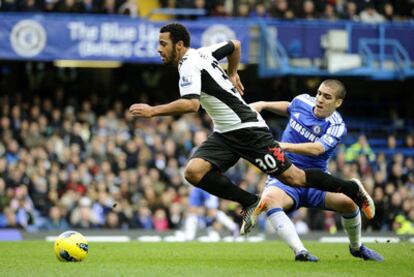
(336, 130)
(191, 96)
(335, 119)
(223, 51)
(341, 130)
(333, 130)
(303, 98)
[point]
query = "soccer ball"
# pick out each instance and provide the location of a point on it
(71, 246)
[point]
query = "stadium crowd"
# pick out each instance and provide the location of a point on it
(374, 11)
(82, 162)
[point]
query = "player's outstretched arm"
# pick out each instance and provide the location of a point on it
(306, 148)
(233, 64)
(176, 107)
(277, 107)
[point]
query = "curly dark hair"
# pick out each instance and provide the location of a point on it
(177, 32)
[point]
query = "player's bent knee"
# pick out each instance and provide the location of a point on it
(267, 199)
(273, 198)
(195, 170)
(192, 175)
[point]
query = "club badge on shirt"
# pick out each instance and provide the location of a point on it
(316, 129)
(186, 81)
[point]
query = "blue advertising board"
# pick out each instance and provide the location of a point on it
(47, 37)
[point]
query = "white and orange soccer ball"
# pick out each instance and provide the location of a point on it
(71, 246)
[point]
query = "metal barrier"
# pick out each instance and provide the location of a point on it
(385, 53)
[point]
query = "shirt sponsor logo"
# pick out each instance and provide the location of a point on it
(302, 130)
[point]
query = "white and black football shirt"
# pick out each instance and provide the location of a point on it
(202, 77)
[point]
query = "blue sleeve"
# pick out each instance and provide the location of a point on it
(332, 136)
(292, 106)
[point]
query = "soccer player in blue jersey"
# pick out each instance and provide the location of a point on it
(314, 130)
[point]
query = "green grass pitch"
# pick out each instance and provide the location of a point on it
(272, 258)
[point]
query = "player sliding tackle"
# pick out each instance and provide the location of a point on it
(310, 138)
(239, 131)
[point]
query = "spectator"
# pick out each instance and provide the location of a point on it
(23, 208)
(55, 221)
(351, 11)
(112, 221)
(391, 142)
(160, 220)
(88, 6)
(83, 216)
(389, 12)
(370, 15)
(142, 218)
(200, 4)
(378, 221)
(260, 10)
(108, 7)
(329, 12)
(219, 9)
(280, 9)
(69, 6)
(129, 8)
(243, 10)
(409, 141)
(358, 148)
(50, 6)
(403, 226)
(308, 10)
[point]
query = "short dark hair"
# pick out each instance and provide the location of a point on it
(177, 32)
(340, 90)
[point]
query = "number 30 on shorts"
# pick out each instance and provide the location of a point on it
(267, 164)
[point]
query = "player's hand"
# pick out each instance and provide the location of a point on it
(282, 145)
(257, 106)
(141, 110)
(235, 79)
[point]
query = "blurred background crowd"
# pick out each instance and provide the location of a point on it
(374, 11)
(72, 157)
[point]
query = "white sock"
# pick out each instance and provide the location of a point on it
(352, 226)
(226, 221)
(190, 226)
(285, 229)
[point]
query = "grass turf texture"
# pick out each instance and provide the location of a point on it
(272, 258)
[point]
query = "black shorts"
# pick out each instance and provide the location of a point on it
(256, 145)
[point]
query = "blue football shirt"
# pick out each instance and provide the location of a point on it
(304, 127)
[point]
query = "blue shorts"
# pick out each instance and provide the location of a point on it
(201, 198)
(302, 197)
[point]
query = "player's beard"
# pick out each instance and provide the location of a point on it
(173, 56)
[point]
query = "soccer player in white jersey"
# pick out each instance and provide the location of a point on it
(239, 131)
(314, 130)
